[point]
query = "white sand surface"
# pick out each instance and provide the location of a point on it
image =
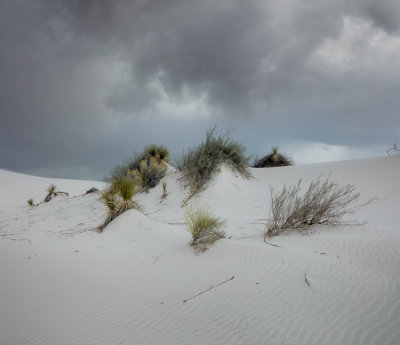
(62, 283)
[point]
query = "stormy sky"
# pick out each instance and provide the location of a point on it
(85, 83)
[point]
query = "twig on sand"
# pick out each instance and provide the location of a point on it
(210, 288)
(273, 245)
(15, 239)
(305, 278)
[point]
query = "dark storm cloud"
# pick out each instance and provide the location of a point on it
(85, 82)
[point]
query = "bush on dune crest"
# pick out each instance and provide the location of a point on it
(146, 168)
(205, 228)
(323, 203)
(273, 159)
(199, 165)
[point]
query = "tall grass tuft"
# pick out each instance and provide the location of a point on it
(323, 203)
(273, 159)
(205, 228)
(200, 163)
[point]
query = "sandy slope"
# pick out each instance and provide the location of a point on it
(64, 284)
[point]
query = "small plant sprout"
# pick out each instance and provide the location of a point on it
(204, 228)
(31, 203)
(164, 188)
(51, 192)
(51, 189)
(322, 203)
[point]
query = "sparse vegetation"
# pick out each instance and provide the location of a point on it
(199, 165)
(31, 203)
(146, 168)
(51, 193)
(205, 228)
(323, 203)
(273, 159)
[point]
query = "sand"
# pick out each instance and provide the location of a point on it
(63, 283)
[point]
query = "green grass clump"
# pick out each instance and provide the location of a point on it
(323, 203)
(199, 165)
(118, 199)
(146, 168)
(273, 159)
(31, 203)
(205, 228)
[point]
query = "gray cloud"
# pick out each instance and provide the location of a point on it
(86, 82)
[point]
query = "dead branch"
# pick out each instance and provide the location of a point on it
(305, 278)
(210, 288)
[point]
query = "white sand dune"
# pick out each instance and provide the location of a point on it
(62, 283)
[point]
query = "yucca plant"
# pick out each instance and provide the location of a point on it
(204, 228)
(157, 151)
(118, 198)
(126, 188)
(273, 159)
(51, 189)
(146, 168)
(151, 171)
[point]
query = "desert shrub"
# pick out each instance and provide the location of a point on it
(394, 150)
(31, 203)
(146, 168)
(323, 203)
(200, 163)
(273, 159)
(205, 228)
(118, 199)
(150, 172)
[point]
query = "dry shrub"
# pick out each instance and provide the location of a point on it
(323, 203)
